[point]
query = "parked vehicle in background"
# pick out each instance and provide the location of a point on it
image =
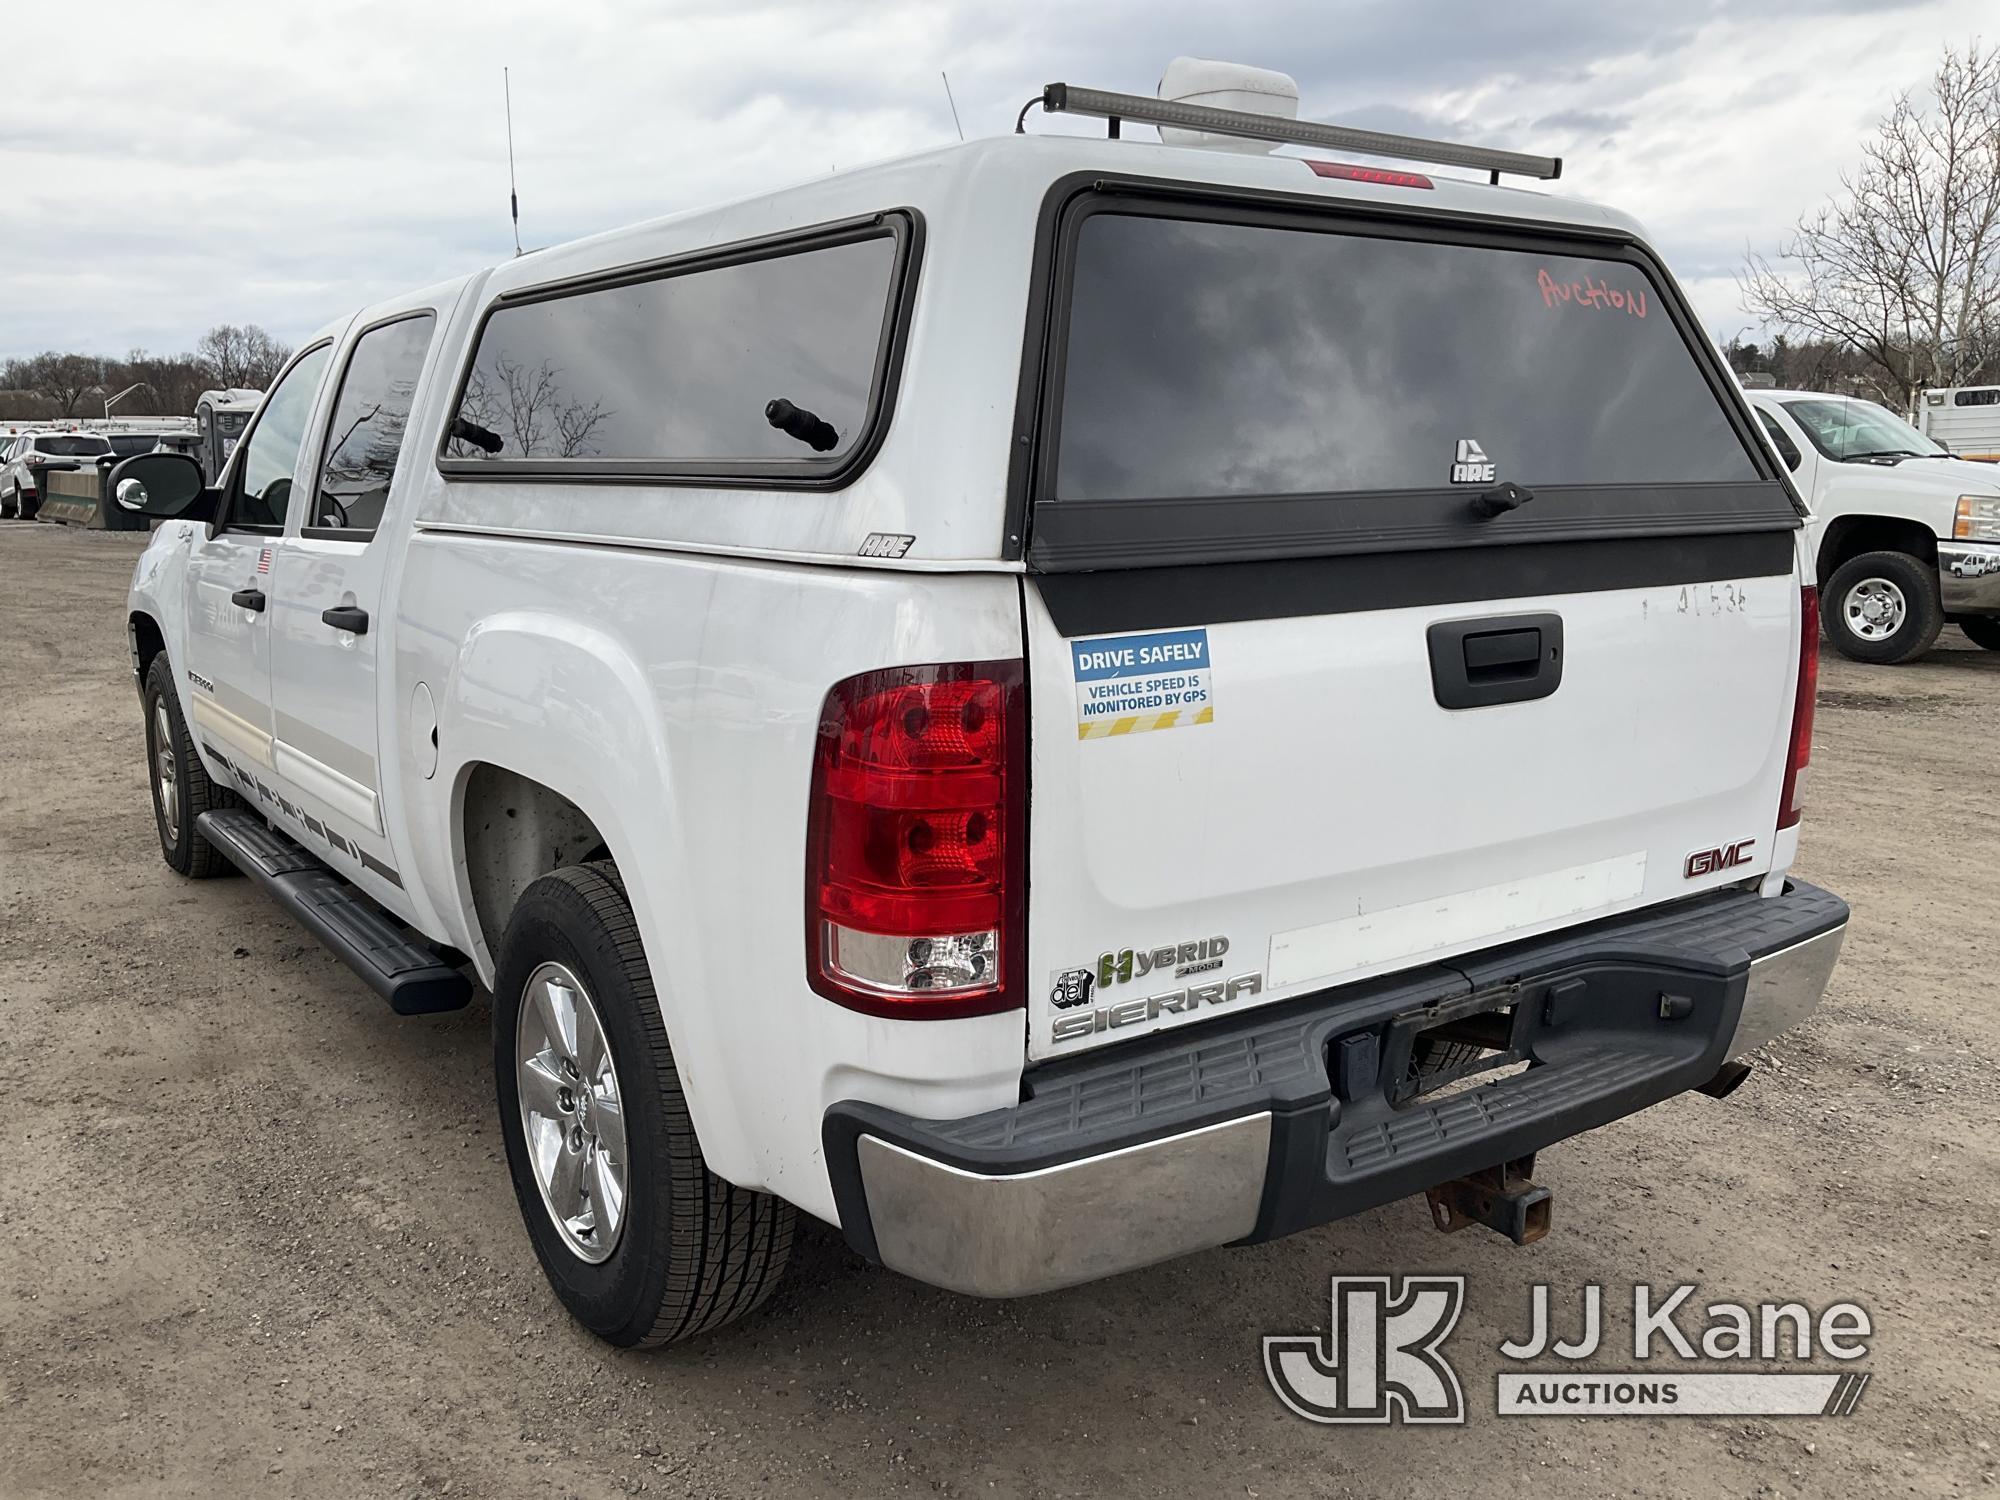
(31, 456)
(219, 419)
(1905, 537)
(665, 628)
(1964, 419)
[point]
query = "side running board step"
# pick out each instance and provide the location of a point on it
(413, 976)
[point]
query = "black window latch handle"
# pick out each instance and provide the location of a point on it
(1501, 499)
(248, 599)
(347, 617)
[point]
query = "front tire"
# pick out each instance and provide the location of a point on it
(182, 788)
(1882, 607)
(641, 1242)
(1981, 630)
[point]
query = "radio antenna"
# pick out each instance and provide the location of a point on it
(952, 102)
(513, 194)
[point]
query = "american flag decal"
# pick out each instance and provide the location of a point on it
(264, 561)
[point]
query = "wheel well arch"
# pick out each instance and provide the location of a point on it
(513, 830)
(1849, 536)
(148, 641)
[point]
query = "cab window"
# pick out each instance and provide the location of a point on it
(1780, 439)
(365, 438)
(263, 489)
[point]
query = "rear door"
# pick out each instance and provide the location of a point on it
(1398, 589)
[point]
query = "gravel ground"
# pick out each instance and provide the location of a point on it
(256, 1235)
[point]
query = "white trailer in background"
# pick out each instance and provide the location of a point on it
(1963, 419)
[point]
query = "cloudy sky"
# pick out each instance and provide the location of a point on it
(168, 166)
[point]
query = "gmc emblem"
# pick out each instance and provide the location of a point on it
(1708, 861)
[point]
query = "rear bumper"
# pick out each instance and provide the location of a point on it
(1279, 1119)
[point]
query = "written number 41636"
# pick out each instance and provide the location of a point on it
(1713, 599)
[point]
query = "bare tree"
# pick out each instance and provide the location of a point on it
(1902, 266)
(246, 356)
(529, 408)
(62, 380)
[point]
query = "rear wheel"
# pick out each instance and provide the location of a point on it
(182, 788)
(1981, 630)
(642, 1243)
(1882, 607)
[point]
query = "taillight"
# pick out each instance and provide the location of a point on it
(916, 841)
(1792, 796)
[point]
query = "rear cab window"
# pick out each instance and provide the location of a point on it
(1235, 383)
(72, 447)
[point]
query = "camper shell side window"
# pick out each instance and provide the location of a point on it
(771, 363)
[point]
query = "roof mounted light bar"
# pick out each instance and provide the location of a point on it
(1063, 98)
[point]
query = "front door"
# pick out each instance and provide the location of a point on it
(327, 603)
(228, 688)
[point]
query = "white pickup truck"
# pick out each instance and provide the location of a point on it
(1054, 703)
(1905, 537)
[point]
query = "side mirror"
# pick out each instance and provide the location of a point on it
(164, 485)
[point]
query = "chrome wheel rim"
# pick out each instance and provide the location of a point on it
(572, 1113)
(1875, 609)
(166, 776)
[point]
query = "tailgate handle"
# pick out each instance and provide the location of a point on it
(1500, 659)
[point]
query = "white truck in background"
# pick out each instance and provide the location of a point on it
(1046, 703)
(1964, 420)
(1905, 537)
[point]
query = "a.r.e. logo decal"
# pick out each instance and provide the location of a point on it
(1470, 465)
(1708, 861)
(885, 544)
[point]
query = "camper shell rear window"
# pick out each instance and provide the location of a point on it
(767, 363)
(1225, 381)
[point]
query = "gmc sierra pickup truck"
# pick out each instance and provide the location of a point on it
(1055, 703)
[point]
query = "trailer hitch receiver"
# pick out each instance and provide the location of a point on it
(1503, 1198)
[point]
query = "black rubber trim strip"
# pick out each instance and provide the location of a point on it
(1273, 1058)
(1076, 535)
(1083, 604)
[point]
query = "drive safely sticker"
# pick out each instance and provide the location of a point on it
(1128, 684)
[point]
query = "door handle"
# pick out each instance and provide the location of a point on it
(347, 617)
(248, 599)
(1501, 659)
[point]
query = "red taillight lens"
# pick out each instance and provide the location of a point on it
(1792, 797)
(916, 841)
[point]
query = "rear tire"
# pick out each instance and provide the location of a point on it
(1981, 630)
(655, 1248)
(1882, 607)
(182, 788)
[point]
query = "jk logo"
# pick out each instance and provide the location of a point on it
(1380, 1360)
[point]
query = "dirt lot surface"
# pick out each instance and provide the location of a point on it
(256, 1234)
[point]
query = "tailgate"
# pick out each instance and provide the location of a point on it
(1398, 591)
